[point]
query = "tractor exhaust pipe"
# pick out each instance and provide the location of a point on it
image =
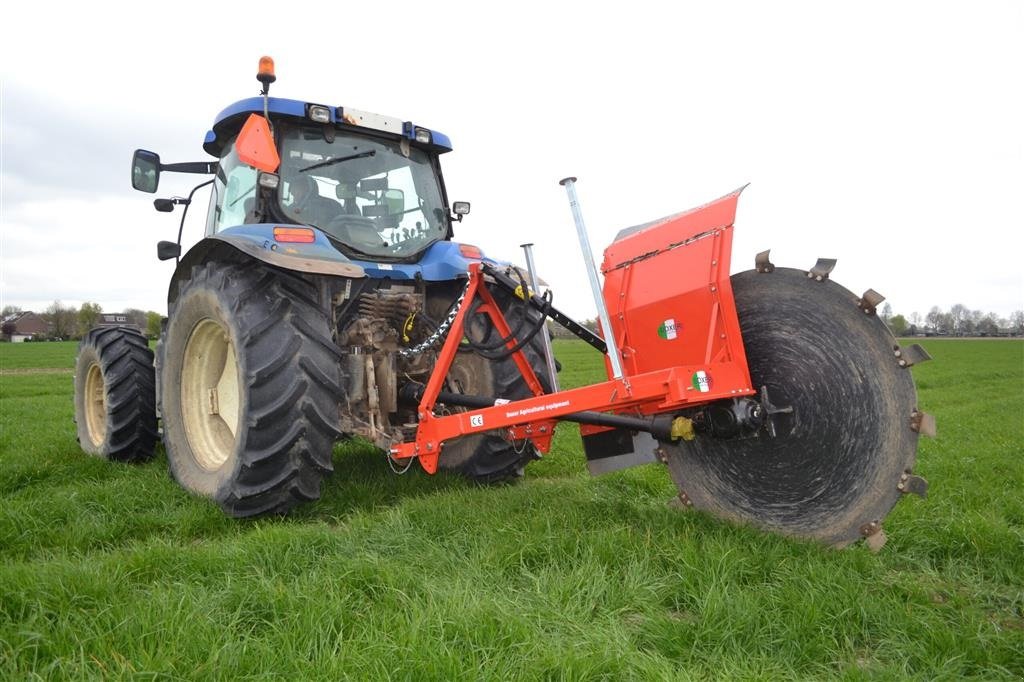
(549, 355)
(595, 286)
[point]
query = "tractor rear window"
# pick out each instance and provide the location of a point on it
(378, 197)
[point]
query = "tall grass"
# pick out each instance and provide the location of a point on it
(111, 571)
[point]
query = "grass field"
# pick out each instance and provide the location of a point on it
(111, 571)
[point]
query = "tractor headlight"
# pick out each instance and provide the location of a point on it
(319, 114)
(422, 135)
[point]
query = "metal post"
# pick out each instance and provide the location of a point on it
(549, 355)
(595, 286)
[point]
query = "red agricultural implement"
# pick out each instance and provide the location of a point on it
(779, 447)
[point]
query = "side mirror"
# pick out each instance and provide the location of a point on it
(459, 209)
(167, 205)
(145, 171)
(167, 250)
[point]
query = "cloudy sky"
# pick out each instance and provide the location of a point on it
(886, 134)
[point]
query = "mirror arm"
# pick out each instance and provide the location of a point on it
(201, 167)
(181, 225)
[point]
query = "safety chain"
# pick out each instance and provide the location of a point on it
(674, 245)
(441, 331)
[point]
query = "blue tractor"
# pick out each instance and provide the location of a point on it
(324, 281)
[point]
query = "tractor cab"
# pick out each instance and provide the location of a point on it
(369, 185)
(373, 189)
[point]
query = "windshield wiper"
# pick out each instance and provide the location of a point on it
(340, 159)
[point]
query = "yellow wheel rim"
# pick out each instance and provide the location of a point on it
(210, 394)
(95, 403)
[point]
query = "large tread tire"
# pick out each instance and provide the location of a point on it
(115, 395)
(834, 467)
(249, 333)
(489, 457)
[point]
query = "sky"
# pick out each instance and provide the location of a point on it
(888, 135)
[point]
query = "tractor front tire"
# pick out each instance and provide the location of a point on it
(250, 388)
(115, 395)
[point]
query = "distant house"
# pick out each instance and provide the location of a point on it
(117, 320)
(24, 325)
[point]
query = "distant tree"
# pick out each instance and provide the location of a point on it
(933, 318)
(153, 324)
(10, 310)
(886, 312)
(62, 320)
(88, 316)
(915, 319)
(898, 325)
(959, 315)
(988, 325)
(7, 330)
(946, 323)
(136, 317)
(1017, 321)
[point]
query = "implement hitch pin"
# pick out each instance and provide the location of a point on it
(595, 286)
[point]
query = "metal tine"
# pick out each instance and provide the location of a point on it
(876, 541)
(762, 262)
(869, 301)
(916, 485)
(912, 355)
(923, 423)
(821, 269)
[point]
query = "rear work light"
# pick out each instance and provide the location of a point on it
(319, 114)
(300, 235)
(422, 135)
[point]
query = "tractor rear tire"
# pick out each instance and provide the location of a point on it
(489, 457)
(115, 395)
(250, 388)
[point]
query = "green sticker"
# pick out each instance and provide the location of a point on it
(701, 381)
(668, 329)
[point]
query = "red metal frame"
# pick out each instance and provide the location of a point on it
(658, 391)
(672, 312)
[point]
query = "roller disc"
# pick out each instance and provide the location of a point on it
(836, 461)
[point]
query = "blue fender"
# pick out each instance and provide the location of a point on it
(443, 261)
(257, 241)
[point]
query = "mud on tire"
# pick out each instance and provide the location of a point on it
(250, 388)
(115, 395)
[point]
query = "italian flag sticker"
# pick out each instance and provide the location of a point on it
(667, 330)
(701, 381)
